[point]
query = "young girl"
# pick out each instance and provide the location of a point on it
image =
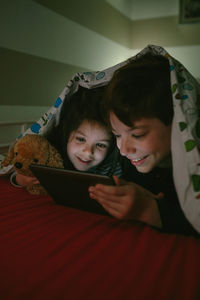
(82, 137)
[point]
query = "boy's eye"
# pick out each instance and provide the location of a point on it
(35, 160)
(137, 136)
(117, 136)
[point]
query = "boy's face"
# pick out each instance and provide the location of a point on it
(88, 145)
(146, 144)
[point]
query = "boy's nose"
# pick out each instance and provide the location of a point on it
(126, 147)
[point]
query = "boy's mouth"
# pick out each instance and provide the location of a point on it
(138, 161)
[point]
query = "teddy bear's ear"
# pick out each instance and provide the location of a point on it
(9, 157)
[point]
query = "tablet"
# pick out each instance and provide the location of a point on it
(70, 188)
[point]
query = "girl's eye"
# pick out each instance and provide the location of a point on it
(16, 153)
(80, 139)
(101, 146)
(35, 160)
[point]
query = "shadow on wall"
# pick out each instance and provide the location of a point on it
(35, 81)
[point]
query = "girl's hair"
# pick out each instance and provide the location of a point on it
(140, 89)
(82, 105)
(85, 104)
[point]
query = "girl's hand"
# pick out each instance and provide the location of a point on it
(128, 200)
(26, 180)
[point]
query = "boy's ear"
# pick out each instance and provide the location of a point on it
(9, 157)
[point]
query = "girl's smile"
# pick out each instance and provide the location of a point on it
(88, 145)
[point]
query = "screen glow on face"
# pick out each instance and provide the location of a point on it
(88, 145)
(146, 144)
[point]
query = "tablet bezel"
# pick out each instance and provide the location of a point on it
(70, 187)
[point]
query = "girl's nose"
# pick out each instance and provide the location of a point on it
(89, 149)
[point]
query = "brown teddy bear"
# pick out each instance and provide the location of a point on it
(32, 149)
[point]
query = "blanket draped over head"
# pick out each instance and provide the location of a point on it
(185, 143)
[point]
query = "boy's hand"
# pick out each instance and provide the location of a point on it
(26, 180)
(128, 200)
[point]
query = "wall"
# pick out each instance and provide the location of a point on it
(181, 41)
(42, 48)
(157, 22)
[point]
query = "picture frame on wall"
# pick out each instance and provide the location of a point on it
(189, 11)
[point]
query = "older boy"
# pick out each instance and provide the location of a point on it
(139, 109)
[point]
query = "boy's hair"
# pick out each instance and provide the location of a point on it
(85, 104)
(140, 89)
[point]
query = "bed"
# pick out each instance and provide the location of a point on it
(48, 251)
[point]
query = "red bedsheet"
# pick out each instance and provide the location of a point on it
(54, 252)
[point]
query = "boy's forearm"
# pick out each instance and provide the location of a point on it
(150, 214)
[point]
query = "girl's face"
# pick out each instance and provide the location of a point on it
(146, 144)
(88, 145)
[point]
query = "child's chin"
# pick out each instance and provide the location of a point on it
(82, 169)
(143, 169)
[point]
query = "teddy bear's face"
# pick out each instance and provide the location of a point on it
(29, 151)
